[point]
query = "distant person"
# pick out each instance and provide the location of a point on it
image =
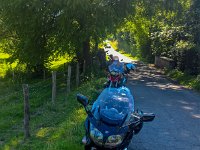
(117, 68)
(116, 65)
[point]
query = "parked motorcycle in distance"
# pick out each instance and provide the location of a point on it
(116, 78)
(112, 120)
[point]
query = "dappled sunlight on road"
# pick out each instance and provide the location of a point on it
(152, 77)
(163, 86)
(191, 107)
(187, 108)
(183, 102)
(196, 116)
(177, 110)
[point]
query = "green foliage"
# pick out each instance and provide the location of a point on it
(196, 83)
(31, 24)
(163, 41)
(155, 26)
(177, 36)
(140, 34)
(193, 21)
(183, 52)
(7, 69)
(39, 29)
(176, 43)
(118, 47)
(126, 43)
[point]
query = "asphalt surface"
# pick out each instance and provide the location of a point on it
(177, 109)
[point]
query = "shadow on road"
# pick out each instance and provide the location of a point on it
(177, 110)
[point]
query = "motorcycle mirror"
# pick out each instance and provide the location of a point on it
(130, 66)
(146, 117)
(82, 99)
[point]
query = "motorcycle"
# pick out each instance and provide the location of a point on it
(112, 120)
(115, 79)
(118, 78)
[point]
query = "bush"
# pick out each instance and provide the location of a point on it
(196, 83)
(185, 79)
(187, 57)
(163, 41)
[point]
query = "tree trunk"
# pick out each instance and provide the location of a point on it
(86, 52)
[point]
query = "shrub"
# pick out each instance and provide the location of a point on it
(187, 57)
(196, 83)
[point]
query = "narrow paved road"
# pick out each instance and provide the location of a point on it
(177, 122)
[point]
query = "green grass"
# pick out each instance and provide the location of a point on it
(58, 126)
(185, 79)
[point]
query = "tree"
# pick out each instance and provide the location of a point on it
(32, 24)
(95, 19)
(43, 27)
(193, 21)
(153, 17)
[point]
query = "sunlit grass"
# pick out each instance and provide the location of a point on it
(43, 132)
(13, 144)
(185, 79)
(59, 126)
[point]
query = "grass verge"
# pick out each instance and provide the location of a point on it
(185, 79)
(58, 126)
